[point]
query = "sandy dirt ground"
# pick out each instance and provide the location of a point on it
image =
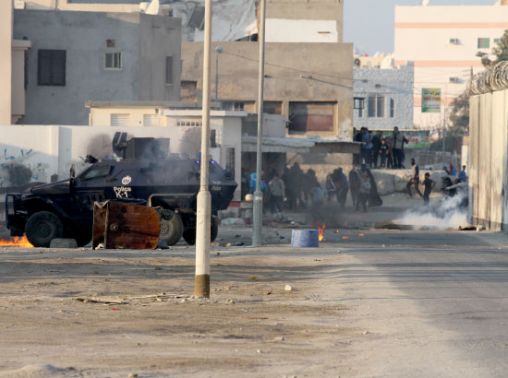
(368, 303)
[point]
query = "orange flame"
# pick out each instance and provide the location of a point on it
(21, 242)
(321, 231)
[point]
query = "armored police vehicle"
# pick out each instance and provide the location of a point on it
(65, 209)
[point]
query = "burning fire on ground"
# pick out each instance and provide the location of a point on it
(321, 231)
(21, 242)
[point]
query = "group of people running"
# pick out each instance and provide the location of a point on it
(428, 184)
(298, 190)
(379, 151)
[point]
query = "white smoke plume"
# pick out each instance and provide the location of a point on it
(443, 215)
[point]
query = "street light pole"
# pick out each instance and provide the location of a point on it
(258, 194)
(204, 202)
(218, 50)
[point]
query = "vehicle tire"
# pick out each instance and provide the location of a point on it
(189, 235)
(171, 227)
(42, 227)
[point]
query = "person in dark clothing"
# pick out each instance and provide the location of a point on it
(428, 186)
(376, 145)
(310, 182)
(398, 147)
(415, 180)
(357, 138)
(364, 191)
(383, 153)
(342, 187)
(331, 189)
(354, 185)
(277, 192)
(366, 148)
(293, 182)
(463, 175)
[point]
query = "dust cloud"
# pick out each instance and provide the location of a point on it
(448, 213)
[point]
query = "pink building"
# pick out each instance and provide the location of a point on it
(444, 42)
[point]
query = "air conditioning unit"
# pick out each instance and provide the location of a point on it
(454, 41)
(455, 80)
(19, 4)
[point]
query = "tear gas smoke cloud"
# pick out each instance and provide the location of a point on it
(443, 215)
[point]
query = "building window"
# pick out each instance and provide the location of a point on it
(380, 107)
(113, 61)
(119, 119)
(483, 43)
(272, 107)
(454, 41)
(312, 117)
(371, 106)
(169, 70)
(51, 67)
(376, 107)
(392, 108)
(188, 123)
(234, 106)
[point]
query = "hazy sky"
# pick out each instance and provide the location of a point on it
(369, 23)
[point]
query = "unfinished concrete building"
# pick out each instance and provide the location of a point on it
(309, 71)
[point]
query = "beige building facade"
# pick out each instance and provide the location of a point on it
(444, 42)
(308, 71)
(310, 85)
(12, 69)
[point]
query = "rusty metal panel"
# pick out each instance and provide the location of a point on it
(118, 225)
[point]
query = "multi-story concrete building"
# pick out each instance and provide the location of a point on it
(383, 97)
(76, 56)
(444, 42)
(309, 71)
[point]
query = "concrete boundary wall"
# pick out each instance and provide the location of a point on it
(488, 160)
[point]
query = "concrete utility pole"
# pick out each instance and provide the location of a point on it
(204, 204)
(257, 238)
(218, 50)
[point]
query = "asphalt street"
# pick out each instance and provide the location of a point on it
(432, 305)
(365, 304)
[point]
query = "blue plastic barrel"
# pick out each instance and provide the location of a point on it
(304, 239)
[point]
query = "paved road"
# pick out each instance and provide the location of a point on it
(431, 304)
(413, 304)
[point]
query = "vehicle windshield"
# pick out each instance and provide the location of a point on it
(95, 171)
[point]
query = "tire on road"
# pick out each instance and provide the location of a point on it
(171, 227)
(42, 227)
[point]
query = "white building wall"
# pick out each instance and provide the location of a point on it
(423, 35)
(49, 150)
(282, 30)
(393, 84)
